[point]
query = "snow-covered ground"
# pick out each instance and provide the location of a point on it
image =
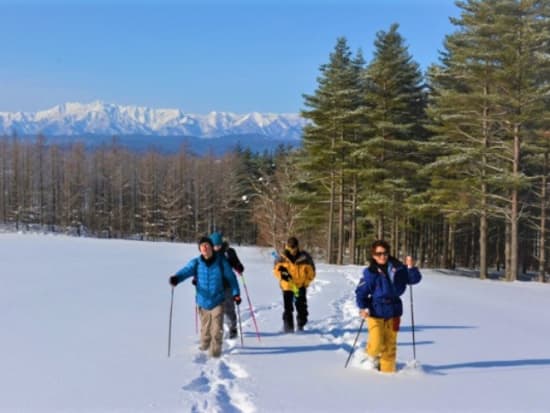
(84, 328)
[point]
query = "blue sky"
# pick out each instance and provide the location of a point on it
(199, 56)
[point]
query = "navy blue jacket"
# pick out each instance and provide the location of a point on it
(379, 293)
(210, 277)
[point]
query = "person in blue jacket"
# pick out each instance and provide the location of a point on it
(209, 270)
(377, 297)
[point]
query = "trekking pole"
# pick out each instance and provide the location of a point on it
(250, 307)
(170, 322)
(412, 323)
(355, 342)
(240, 325)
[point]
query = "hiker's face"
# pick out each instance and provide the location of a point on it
(206, 250)
(380, 255)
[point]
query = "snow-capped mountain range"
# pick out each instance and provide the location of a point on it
(99, 118)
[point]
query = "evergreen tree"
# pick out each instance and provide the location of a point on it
(393, 108)
(462, 111)
(524, 38)
(332, 112)
(485, 95)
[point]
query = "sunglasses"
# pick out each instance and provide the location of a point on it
(381, 254)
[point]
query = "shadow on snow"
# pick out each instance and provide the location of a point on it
(246, 350)
(486, 364)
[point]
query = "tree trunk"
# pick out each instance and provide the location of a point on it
(483, 227)
(514, 215)
(483, 240)
(542, 232)
(404, 235)
(451, 246)
(445, 247)
(421, 246)
(341, 211)
(498, 255)
(507, 250)
(330, 220)
(395, 234)
(353, 223)
(380, 226)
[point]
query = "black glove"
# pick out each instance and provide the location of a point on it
(237, 299)
(194, 281)
(285, 275)
(173, 280)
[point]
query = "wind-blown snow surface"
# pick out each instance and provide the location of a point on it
(85, 328)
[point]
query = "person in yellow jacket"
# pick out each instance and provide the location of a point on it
(295, 270)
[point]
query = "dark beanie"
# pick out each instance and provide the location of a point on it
(292, 243)
(205, 239)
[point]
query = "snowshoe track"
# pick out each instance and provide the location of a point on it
(216, 387)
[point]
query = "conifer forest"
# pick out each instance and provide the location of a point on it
(451, 165)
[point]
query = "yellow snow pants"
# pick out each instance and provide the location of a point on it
(382, 341)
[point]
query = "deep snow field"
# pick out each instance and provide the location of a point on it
(84, 328)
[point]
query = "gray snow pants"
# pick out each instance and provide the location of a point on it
(229, 309)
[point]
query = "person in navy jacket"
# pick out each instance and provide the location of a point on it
(222, 247)
(209, 270)
(377, 297)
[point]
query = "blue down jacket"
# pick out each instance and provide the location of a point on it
(210, 276)
(380, 293)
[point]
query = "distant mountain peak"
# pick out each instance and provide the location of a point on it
(101, 118)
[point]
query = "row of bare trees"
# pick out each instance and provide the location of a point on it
(114, 192)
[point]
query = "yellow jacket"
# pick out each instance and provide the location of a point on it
(300, 267)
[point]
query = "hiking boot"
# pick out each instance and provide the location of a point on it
(288, 329)
(288, 323)
(233, 333)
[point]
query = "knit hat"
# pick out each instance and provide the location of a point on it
(216, 238)
(207, 240)
(292, 243)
